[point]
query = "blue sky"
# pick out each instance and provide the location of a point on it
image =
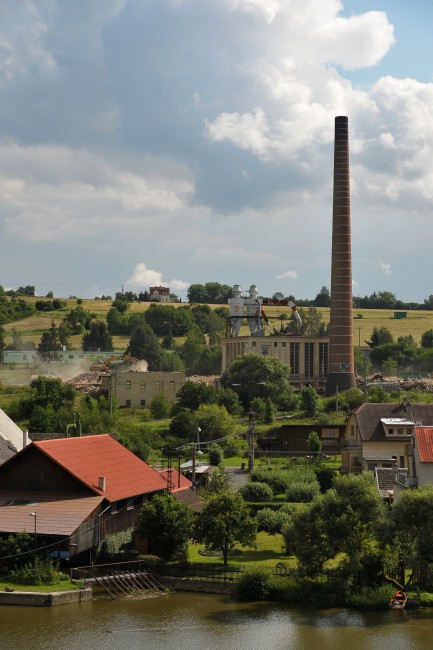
(181, 141)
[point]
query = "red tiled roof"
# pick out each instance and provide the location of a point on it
(55, 514)
(424, 440)
(185, 483)
(90, 457)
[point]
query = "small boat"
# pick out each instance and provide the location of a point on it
(399, 600)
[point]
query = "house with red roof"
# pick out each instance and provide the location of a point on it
(72, 492)
(422, 450)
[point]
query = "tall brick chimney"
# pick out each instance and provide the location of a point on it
(341, 375)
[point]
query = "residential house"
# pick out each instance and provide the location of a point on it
(379, 435)
(422, 450)
(137, 389)
(160, 294)
(72, 492)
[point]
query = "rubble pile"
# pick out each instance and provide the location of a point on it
(422, 384)
(87, 382)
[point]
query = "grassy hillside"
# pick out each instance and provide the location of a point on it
(416, 322)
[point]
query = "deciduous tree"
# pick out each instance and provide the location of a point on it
(225, 522)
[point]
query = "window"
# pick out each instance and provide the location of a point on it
(143, 385)
(294, 359)
(253, 344)
(309, 359)
(401, 461)
(275, 344)
(323, 359)
(409, 432)
(400, 431)
(265, 349)
(71, 356)
(157, 385)
(283, 344)
(390, 431)
(24, 357)
(81, 356)
(352, 430)
(142, 402)
(128, 402)
(128, 384)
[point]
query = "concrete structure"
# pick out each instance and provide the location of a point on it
(136, 389)
(31, 357)
(341, 359)
(306, 355)
(160, 294)
(380, 435)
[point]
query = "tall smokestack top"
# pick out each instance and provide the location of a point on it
(341, 360)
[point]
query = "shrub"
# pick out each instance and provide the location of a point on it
(256, 492)
(215, 455)
(255, 584)
(299, 492)
(40, 572)
(325, 476)
(372, 598)
(272, 521)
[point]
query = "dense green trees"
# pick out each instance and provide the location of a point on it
(211, 292)
(412, 517)
(98, 338)
(144, 344)
(346, 519)
(168, 525)
(256, 376)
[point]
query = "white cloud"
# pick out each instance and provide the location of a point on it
(142, 278)
(386, 268)
(212, 161)
(290, 275)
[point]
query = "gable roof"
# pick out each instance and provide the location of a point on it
(90, 457)
(10, 432)
(56, 514)
(369, 416)
(424, 441)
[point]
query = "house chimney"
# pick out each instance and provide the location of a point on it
(341, 375)
(101, 483)
(25, 438)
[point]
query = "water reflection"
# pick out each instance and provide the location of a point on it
(192, 622)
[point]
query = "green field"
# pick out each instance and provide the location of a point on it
(416, 322)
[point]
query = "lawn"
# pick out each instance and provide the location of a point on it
(62, 585)
(268, 552)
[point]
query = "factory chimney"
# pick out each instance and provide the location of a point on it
(341, 375)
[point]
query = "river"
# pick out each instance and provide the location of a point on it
(204, 622)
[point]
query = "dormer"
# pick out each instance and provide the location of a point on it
(398, 427)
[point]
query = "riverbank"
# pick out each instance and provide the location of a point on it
(41, 599)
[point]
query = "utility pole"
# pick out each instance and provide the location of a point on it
(193, 465)
(251, 435)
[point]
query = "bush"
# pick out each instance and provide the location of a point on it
(40, 572)
(256, 492)
(272, 521)
(325, 476)
(299, 492)
(372, 598)
(215, 455)
(114, 545)
(255, 584)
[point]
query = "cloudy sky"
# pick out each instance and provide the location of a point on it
(181, 141)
